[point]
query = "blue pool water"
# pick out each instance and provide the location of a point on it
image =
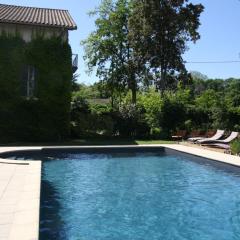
(138, 197)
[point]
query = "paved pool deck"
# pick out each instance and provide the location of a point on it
(19, 198)
(20, 183)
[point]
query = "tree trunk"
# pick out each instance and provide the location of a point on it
(133, 88)
(134, 96)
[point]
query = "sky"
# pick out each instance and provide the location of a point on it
(220, 35)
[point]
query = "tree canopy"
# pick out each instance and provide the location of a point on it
(137, 43)
(108, 48)
(159, 33)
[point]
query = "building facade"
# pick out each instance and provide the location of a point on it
(36, 68)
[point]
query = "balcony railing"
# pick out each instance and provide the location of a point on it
(75, 62)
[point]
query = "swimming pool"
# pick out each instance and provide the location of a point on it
(142, 193)
(138, 196)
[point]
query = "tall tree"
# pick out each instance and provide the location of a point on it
(108, 48)
(159, 33)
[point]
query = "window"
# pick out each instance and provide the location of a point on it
(28, 83)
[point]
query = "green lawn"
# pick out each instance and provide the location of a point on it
(95, 142)
(118, 142)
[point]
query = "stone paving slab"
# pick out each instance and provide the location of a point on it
(19, 202)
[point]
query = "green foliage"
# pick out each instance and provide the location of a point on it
(136, 42)
(208, 100)
(159, 33)
(152, 103)
(172, 115)
(11, 51)
(235, 147)
(89, 120)
(85, 91)
(198, 76)
(108, 48)
(93, 120)
(96, 91)
(158, 115)
(47, 115)
(130, 121)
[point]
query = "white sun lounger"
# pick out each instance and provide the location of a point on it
(232, 137)
(194, 139)
(217, 136)
(219, 145)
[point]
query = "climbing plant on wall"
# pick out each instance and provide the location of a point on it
(44, 116)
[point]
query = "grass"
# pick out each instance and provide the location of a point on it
(118, 142)
(94, 142)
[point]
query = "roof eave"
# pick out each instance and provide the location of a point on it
(40, 25)
(73, 28)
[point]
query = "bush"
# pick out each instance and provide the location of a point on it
(151, 102)
(235, 147)
(130, 122)
(173, 115)
(89, 120)
(102, 119)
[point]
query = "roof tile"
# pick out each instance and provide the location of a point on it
(36, 16)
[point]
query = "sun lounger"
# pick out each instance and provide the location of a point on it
(226, 147)
(195, 135)
(179, 135)
(194, 139)
(219, 145)
(217, 136)
(232, 137)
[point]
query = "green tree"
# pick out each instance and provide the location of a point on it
(198, 75)
(108, 48)
(159, 33)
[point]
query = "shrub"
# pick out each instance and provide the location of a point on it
(235, 147)
(173, 115)
(89, 120)
(130, 121)
(103, 123)
(152, 104)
